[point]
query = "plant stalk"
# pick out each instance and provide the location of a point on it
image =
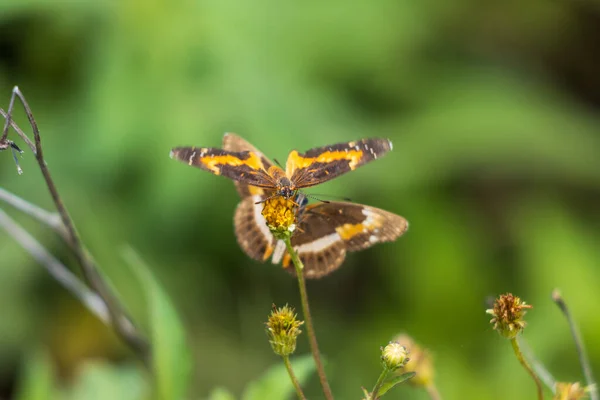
(519, 354)
(312, 338)
(288, 366)
(433, 392)
(379, 382)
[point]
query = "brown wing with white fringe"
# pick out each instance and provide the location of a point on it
(326, 231)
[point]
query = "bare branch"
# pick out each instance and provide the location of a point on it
(121, 323)
(45, 217)
(66, 278)
(19, 131)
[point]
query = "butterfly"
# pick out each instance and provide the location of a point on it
(325, 231)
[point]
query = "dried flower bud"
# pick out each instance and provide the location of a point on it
(394, 356)
(280, 214)
(508, 315)
(283, 330)
(570, 391)
(420, 361)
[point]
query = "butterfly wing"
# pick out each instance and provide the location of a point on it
(235, 143)
(324, 163)
(326, 231)
(243, 166)
(251, 229)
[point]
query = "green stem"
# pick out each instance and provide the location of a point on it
(379, 382)
(288, 366)
(312, 338)
(538, 383)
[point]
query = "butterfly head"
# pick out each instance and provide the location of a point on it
(285, 188)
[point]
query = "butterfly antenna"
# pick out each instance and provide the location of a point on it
(278, 163)
(268, 198)
(319, 197)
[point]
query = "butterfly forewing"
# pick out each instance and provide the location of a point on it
(324, 163)
(242, 166)
(235, 143)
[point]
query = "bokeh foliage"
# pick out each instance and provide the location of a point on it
(493, 111)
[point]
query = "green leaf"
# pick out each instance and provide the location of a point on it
(276, 383)
(37, 382)
(395, 381)
(171, 357)
(100, 381)
(221, 394)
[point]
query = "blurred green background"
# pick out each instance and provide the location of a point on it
(493, 111)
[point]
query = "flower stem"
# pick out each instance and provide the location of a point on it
(433, 392)
(379, 382)
(539, 368)
(312, 338)
(288, 366)
(538, 383)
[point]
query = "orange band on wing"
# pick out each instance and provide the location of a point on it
(268, 252)
(255, 191)
(348, 231)
(212, 162)
(296, 161)
(287, 260)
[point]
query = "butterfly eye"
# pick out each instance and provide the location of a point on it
(286, 192)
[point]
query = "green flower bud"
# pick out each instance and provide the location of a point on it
(394, 356)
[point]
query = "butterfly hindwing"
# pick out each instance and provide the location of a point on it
(251, 231)
(324, 163)
(326, 231)
(358, 225)
(243, 166)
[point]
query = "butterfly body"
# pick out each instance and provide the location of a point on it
(325, 231)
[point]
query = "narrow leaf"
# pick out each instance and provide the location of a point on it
(170, 353)
(395, 381)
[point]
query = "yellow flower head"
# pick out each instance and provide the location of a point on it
(570, 391)
(420, 361)
(280, 214)
(508, 315)
(283, 329)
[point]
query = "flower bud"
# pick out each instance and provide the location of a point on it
(283, 330)
(508, 315)
(394, 356)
